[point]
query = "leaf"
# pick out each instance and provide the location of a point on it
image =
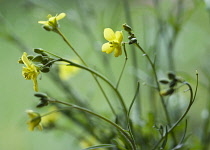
(100, 146)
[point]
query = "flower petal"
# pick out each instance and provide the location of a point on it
(118, 52)
(25, 60)
(119, 36)
(109, 34)
(107, 48)
(60, 16)
(43, 22)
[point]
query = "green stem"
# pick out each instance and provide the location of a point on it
(103, 78)
(126, 58)
(129, 110)
(68, 43)
(128, 17)
(156, 80)
(158, 88)
(101, 88)
(124, 132)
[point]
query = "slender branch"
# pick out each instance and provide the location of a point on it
(68, 43)
(156, 80)
(129, 110)
(158, 87)
(100, 76)
(128, 17)
(101, 88)
(126, 58)
(123, 131)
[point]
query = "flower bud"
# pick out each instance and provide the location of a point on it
(41, 95)
(38, 50)
(45, 69)
(132, 41)
(127, 27)
(37, 58)
(164, 81)
(171, 76)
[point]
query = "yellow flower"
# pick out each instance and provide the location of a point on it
(114, 44)
(52, 22)
(66, 72)
(35, 120)
(30, 72)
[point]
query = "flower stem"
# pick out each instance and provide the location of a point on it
(101, 88)
(123, 131)
(158, 88)
(156, 80)
(103, 78)
(126, 58)
(68, 43)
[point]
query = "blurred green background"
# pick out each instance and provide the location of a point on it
(83, 26)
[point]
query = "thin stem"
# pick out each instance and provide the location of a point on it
(68, 43)
(158, 87)
(126, 58)
(156, 80)
(129, 110)
(101, 117)
(128, 17)
(103, 78)
(51, 112)
(101, 88)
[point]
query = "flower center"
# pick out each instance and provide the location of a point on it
(29, 73)
(114, 44)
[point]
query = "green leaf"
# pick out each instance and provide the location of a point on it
(100, 146)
